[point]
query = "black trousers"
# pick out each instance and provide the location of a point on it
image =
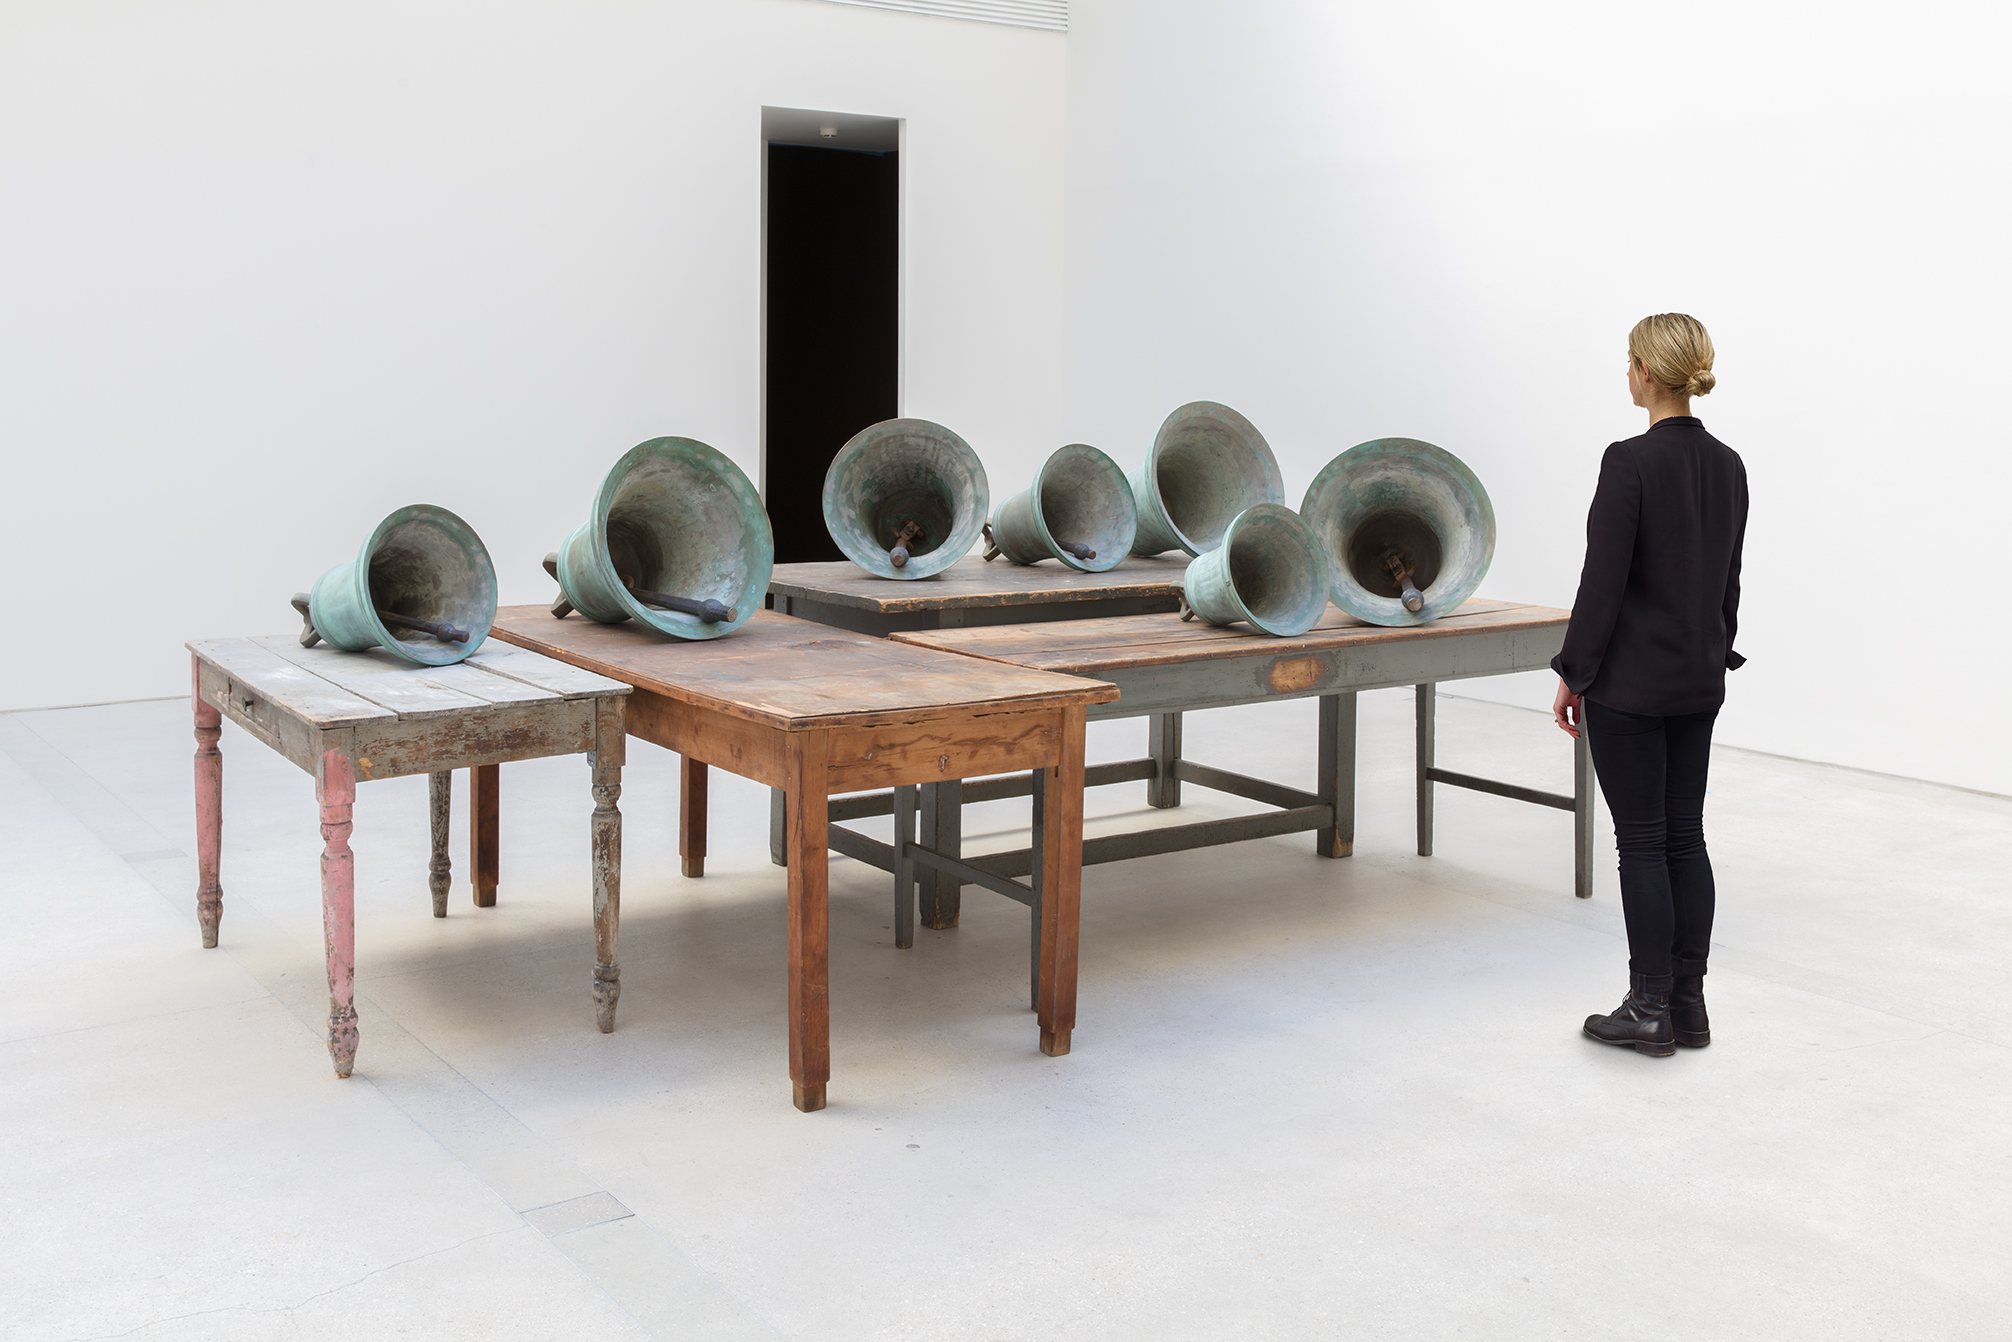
(1652, 773)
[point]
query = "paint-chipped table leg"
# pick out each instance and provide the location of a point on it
(1427, 711)
(335, 790)
(606, 828)
(1163, 744)
(484, 832)
(439, 797)
(1336, 784)
(692, 816)
(809, 919)
(209, 815)
(904, 867)
(1061, 858)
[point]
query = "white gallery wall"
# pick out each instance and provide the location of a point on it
(1439, 220)
(269, 271)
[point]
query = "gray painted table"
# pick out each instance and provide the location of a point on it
(350, 716)
(1164, 667)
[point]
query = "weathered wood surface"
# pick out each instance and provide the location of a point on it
(791, 674)
(1089, 647)
(485, 832)
(973, 582)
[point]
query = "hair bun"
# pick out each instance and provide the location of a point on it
(1700, 383)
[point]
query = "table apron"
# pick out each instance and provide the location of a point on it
(1220, 682)
(898, 754)
(499, 734)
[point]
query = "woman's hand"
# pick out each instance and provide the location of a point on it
(1567, 710)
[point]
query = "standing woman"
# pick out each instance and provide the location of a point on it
(1643, 673)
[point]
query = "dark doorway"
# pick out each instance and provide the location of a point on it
(833, 339)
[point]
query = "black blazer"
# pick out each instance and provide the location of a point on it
(1652, 628)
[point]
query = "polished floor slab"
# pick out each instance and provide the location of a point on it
(1308, 1098)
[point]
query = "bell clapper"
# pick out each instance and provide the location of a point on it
(992, 550)
(308, 636)
(1400, 573)
(709, 610)
(911, 531)
(1080, 551)
(447, 633)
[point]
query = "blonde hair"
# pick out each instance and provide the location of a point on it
(1676, 350)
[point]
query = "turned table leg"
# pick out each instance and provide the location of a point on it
(439, 795)
(808, 831)
(607, 842)
(483, 832)
(335, 789)
(209, 814)
(692, 816)
(1061, 859)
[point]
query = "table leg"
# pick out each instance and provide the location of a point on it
(606, 831)
(943, 830)
(904, 867)
(1037, 840)
(1427, 713)
(1163, 744)
(484, 830)
(1582, 816)
(778, 839)
(209, 814)
(809, 919)
(1336, 786)
(335, 789)
(692, 816)
(439, 796)
(1061, 861)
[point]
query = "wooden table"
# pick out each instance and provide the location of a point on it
(345, 716)
(971, 591)
(815, 711)
(1164, 667)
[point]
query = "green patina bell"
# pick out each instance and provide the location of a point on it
(905, 498)
(1078, 510)
(678, 540)
(1408, 530)
(421, 587)
(1207, 465)
(1269, 572)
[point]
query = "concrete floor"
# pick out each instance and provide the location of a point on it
(1308, 1099)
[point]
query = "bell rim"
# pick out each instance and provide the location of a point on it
(1118, 553)
(1274, 477)
(920, 566)
(452, 653)
(1389, 612)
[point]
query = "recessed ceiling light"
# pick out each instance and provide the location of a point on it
(828, 132)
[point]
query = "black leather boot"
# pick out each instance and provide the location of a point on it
(1688, 1021)
(1641, 1022)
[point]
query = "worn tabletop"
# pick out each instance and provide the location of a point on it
(971, 582)
(792, 674)
(1126, 642)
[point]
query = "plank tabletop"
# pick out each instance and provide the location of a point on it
(972, 582)
(327, 687)
(1091, 647)
(792, 674)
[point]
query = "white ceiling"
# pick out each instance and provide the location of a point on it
(1050, 14)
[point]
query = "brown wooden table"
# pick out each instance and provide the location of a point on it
(1164, 667)
(842, 594)
(345, 716)
(814, 711)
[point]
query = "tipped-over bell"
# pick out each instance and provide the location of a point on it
(1207, 465)
(1408, 530)
(1270, 572)
(678, 540)
(1078, 510)
(421, 587)
(905, 498)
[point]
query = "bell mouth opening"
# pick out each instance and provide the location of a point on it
(918, 518)
(1205, 478)
(678, 527)
(1275, 568)
(421, 570)
(1394, 534)
(1084, 500)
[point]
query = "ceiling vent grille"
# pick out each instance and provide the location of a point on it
(1050, 14)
